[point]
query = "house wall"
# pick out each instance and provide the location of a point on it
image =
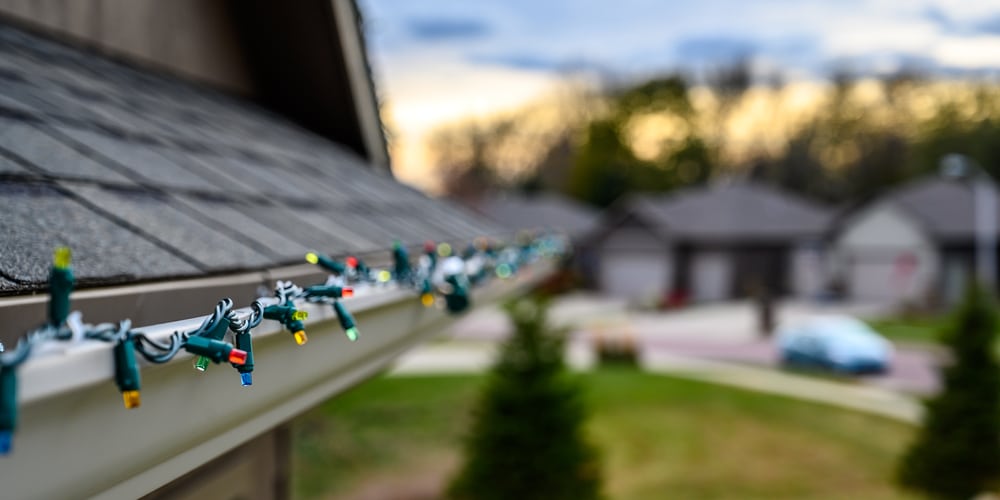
(196, 38)
(635, 264)
(711, 275)
(808, 270)
(885, 256)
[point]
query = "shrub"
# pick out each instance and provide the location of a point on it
(957, 453)
(527, 438)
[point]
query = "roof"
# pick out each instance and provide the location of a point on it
(148, 177)
(737, 212)
(541, 211)
(943, 206)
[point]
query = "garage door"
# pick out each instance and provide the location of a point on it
(872, 281)
(711, 276)
(890, 278)
(635, 274)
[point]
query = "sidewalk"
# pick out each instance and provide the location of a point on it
(862, 398)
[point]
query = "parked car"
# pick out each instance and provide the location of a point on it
(841, 344)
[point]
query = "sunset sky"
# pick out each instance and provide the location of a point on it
(437, 61)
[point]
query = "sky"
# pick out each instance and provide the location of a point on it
(439, 61)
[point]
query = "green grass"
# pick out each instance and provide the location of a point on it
(660, 438)
(910, 328)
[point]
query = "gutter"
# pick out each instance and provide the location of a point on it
(162, 301)
(75, 439)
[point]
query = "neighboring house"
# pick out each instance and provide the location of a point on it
(190, 151)
(543, 211)
(915, 244)
(712, 243)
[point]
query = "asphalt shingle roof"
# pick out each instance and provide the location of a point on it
(149, 177)
(943, 206)
(742, 211)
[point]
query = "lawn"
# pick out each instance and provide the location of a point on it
(910, 328)
(660, 438)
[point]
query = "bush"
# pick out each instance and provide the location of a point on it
(957, 453)
(527, 438)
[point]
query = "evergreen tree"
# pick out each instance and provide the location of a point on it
(527, 438)
(957, 453)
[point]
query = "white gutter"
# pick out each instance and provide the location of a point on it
(76, 440)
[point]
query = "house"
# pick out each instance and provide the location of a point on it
(186, 152)
(712, 243)
(914, 244)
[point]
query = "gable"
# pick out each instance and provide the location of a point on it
(882, 225)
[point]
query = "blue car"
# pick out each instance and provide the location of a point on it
(841, 344)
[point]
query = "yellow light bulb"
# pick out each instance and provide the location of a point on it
(444, 249)
(131, 399)
(427, 299)
(62, 257)
(300, 315)
(384, 276)
(312, 258)
(300, 337)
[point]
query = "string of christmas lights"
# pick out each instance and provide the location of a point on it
(438, 273)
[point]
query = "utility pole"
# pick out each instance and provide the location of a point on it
(984, 200)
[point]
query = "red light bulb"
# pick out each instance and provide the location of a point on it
(238, 357)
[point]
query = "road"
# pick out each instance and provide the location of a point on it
(720, 332)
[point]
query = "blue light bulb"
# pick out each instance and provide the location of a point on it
(6, 441)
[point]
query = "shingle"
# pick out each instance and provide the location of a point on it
(233, 176)
(316, 229)
(743, 210)
(45, 152)
(343, 232)
(547, 211)
(10, 102)
(268, 179)
(7, 285)
(203, 181)
(461, 223)
(8, 166)
(281, 247)
(944, 206)
(38, 218)
(149, 166)
(154, 215)
(330, 190)
(26, 97)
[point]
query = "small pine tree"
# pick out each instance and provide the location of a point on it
(527, 437)
(957, 453)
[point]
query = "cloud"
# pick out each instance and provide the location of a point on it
(938, 17)
(447, 29)
(989, 26)
(533, 62)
